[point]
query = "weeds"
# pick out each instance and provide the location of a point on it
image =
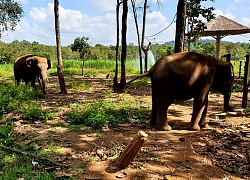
(101, 113)
(35, 112)
(76, 84)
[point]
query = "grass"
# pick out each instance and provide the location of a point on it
(100, 113)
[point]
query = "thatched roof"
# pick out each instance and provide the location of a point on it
(224, 26)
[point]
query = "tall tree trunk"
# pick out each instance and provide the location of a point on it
(145, 50)
(180, 26)
(138, 34)
(115, 81)
(124, 45)
(58, 44)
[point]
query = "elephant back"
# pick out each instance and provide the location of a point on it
(22, 60)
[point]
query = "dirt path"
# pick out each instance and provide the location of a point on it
(220, 153)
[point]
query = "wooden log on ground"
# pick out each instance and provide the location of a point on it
(131, 150)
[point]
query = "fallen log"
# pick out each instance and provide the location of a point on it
(131, 150)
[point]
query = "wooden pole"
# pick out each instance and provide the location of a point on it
(246, 81)
(131, 150)
(217, 55)
(240, 69)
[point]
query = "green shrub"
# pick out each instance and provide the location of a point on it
(101, 113)
(6, 135)
(13, 97)
(35, 112)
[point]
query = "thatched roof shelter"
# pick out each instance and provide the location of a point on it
(221, 27)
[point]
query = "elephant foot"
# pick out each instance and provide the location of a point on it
(163, 128)
(205, 126)
(194, 127)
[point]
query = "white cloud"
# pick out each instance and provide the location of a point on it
(103, 5)
(228, 15)
(245, 21)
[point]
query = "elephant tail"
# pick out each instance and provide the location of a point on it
(146, 74)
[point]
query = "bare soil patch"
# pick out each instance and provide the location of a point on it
(219, 153)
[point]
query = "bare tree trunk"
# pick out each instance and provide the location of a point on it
(138, 34)
(58, 44)
(180, 26)
(124, 45)
(145, 50)
(115, 81)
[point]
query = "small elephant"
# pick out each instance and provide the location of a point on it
(29, 67)
(183, 76)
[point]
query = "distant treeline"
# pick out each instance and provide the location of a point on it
(10, 51)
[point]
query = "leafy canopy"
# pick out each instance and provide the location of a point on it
(195, 16)
(10, 13)
(81, 45)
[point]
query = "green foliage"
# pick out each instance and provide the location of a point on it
(21, 98)
(10, 14)
(81, 45)
(76, 84)
(6, 70)
(16, 167)
(194, 13)
(13, 97)
(143, 81)
(35, 112)
(6, 135)
(101, 113)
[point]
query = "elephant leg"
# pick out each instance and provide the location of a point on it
(203, 123)
(200, 104)
(162, 109)
(162, 121)
(153, 120)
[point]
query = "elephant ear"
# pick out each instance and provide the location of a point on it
(49, 63)
(31, 62)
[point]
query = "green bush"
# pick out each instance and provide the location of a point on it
(35, 112)
(101, 113)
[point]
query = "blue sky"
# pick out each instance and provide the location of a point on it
(96, 19)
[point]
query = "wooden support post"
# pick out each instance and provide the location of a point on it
(246, 81)
(240, 69)
(131, 150)
(228, 57)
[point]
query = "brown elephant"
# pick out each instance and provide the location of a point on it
(29, 67)
(183, 76)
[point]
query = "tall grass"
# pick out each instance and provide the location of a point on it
(6, 70)
(95, 67)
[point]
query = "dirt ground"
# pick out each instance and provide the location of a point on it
(220, 153)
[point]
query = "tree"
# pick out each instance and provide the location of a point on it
(10, 14)
(82, 46)
(58, 45)
(180, 26)
(121, 86)
(138, 34)
(145, 49)
(115, 81)
(195, 25)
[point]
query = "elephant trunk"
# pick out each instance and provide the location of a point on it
(42, 82)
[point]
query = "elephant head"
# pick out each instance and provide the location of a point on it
(31, 67)
(38, 68)
(223, 81)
